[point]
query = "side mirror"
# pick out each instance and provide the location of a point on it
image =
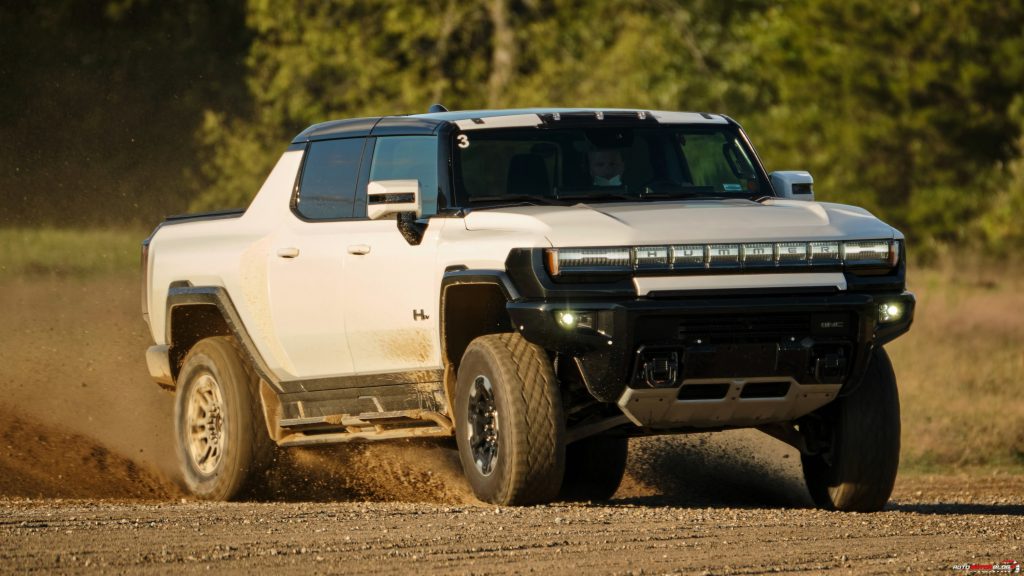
(388, 197)
(795, 185)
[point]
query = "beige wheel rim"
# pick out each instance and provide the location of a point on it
(205, 424)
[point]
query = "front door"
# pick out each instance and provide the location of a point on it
(390, 285)
(391, 299)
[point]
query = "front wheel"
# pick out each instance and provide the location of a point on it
(860, 438)
(508, 421)
(221, 441)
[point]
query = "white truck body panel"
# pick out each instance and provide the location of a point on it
(391, 301)
(682, 222)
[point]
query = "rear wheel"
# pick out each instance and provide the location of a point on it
(221, 441)
(594, 468)
(508, 420)
(860, 441)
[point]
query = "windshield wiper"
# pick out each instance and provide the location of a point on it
(596, 196)
(688, 196)
(513, 199)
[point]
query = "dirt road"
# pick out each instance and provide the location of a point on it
(88, 484)
(934, 525)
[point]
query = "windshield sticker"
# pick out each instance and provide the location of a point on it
(463, 141)
(729, 187)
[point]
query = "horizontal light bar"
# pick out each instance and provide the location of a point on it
(750, 255)
(869, 253)
(583, 260)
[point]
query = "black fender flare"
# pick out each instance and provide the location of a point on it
(462, 276)
(185, 294)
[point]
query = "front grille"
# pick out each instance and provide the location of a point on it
(809, 347)
(761, 326)
(745, 328)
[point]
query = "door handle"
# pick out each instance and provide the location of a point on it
(287, 252)
(359, 249)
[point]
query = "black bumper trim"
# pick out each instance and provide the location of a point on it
(606, 349)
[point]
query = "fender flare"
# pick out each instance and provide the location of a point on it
(185, 294)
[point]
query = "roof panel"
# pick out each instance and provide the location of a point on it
(405, 126)
(337, 129)
(468, 119)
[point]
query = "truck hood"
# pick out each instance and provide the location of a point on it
(681, 222)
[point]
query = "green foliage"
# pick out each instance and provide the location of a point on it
(883, 101)
(311, 62)
(887, 104)
(1001, 225)
(911, 109)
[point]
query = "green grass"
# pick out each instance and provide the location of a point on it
(28, 252)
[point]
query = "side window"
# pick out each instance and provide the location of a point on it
(408, 158)
(328, 187)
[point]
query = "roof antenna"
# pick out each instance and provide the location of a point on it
(437, 108)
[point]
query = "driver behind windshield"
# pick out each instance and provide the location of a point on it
(606, 166)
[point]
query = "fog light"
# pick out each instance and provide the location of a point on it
(890, 312)
(570, 319)
(566, 319)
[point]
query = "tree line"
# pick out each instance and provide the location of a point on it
(914, 109)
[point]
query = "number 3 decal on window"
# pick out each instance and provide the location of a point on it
(463, 140)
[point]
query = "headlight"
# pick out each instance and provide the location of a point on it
(870, 253)
(584, 260)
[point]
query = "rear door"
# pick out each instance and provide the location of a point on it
(306, 267)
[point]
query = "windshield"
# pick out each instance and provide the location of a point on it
(564, 166)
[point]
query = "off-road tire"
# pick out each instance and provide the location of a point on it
(594, 468)
(529, 461)
(217, 365)
(858, 472)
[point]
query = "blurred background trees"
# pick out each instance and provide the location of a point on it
(127, 110)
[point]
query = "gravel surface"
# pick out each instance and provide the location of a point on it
(934, 524)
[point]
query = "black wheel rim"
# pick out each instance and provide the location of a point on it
(483, 425)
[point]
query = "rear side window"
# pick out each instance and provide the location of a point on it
(327, 190)
(408, 158)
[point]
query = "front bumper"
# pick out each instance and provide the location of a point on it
(693, 361)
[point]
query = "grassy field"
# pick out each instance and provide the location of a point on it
(960, 368)
(68, 252)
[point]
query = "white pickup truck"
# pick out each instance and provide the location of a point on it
(539, 284)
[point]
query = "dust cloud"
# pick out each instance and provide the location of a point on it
(79, 417)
